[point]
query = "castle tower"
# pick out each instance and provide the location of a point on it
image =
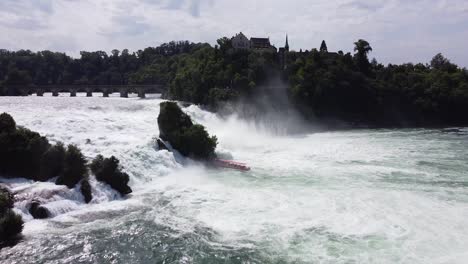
(282, 54)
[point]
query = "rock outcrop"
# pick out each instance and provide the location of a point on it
(38, 211)
(108, 170)
(85, 190)
(161, 145)
(191, 140)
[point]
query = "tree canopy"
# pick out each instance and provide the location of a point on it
(328, 84)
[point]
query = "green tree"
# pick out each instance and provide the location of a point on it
(17, 78)
(439, 62)
(362, 48)
(225, 44)
(74, 169)
(52, 162)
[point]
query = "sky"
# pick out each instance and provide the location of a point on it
(399, 31)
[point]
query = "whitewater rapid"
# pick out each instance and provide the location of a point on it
(359, 196)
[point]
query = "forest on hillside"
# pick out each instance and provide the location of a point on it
(322, 85)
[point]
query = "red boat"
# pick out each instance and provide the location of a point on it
(231, 164)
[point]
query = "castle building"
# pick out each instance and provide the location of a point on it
(260, 43)
(240, 41)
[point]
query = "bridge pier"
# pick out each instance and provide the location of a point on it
(124, 93)
(124, 90)
(141, 94)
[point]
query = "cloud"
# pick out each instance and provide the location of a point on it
(398, 30)
(175, 4)
(195, 8)
(191, 6)
(24, 24)
(25, 15)
(363, 5)
(25, 6)
(126, 26)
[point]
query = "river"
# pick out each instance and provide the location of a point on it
(357, 196)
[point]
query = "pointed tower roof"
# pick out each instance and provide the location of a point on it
(287, 43)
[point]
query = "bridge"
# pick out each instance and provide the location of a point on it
(124, 90)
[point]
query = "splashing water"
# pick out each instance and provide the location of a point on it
(362, 196)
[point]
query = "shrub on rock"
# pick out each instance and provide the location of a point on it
(197, 143)
(6, 200)
(85, 190)
(38, 145)
(20, 153)
(172, 119)
(20, 149)
(74, 168)
(25, 153)
(108, 170)
(52, 162)
(11, 224)
(7, 123)
(190, 140)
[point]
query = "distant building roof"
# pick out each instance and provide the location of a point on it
(240, 35)
(260, 43)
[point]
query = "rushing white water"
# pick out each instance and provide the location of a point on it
(362, 196)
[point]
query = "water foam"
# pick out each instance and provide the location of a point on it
(366, 196)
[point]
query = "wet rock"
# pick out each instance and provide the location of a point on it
(162, 145)
(86, 191)
(191, 140)
(109, 171)
(37, 211)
